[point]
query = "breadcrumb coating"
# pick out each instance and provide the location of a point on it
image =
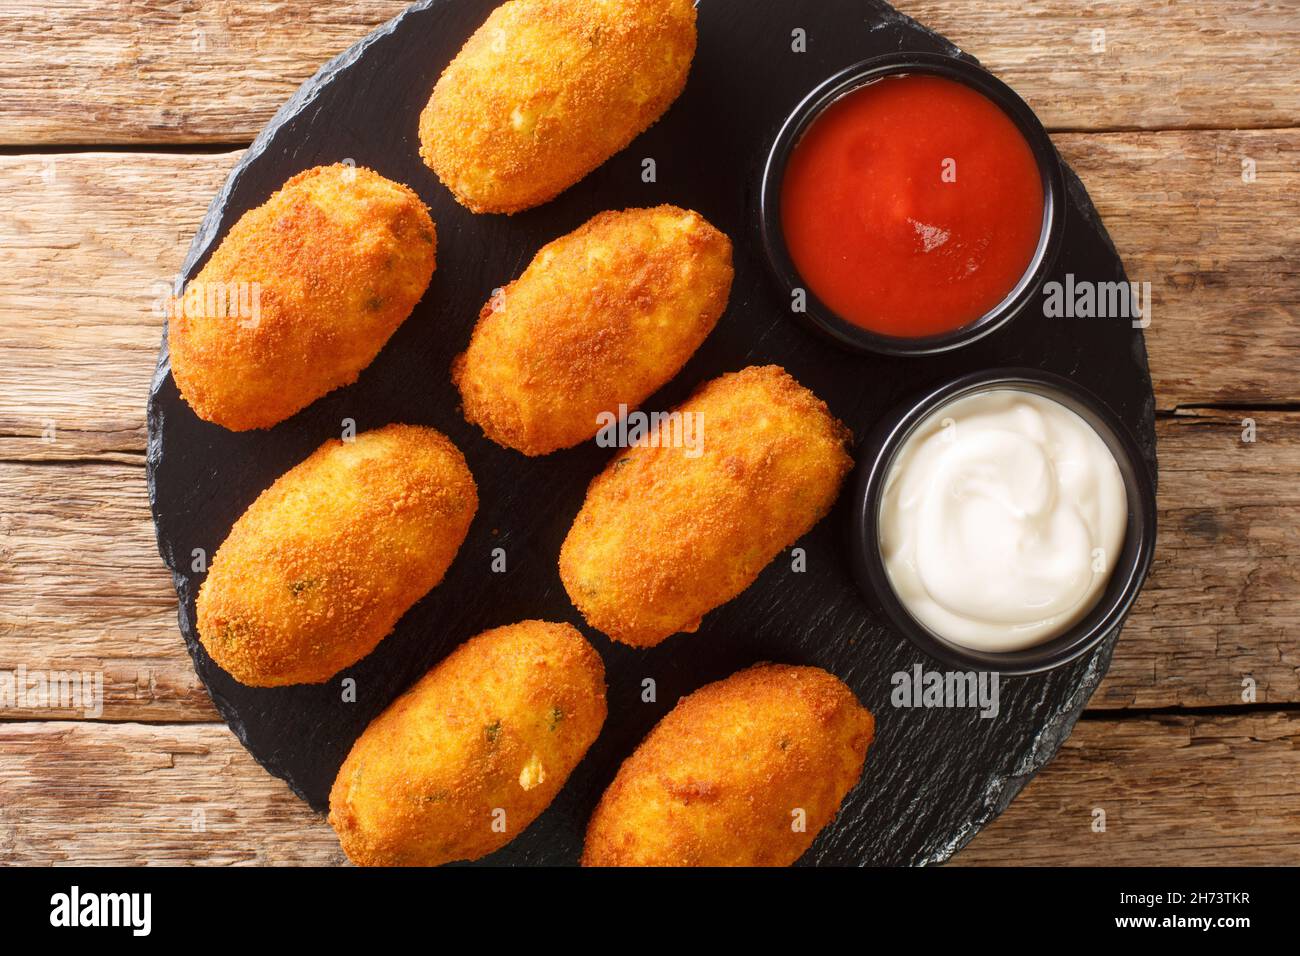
(322, 565)
(466, 759)
(664, 537)
(325, 271)
(601, 317)
(547, 90)
(743, 772)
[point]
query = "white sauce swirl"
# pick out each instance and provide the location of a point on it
(1001, 520)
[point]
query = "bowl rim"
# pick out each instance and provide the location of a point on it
(1127, 576)
(817, 315)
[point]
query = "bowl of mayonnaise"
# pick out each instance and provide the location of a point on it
(1004, 521)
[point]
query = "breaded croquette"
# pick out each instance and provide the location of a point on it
(547, 90)
(668, 533)
(743, 772)
(300, 296)
(466, 759)
(322, 565)
(601, 317)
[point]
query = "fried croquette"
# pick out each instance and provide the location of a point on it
(668, 533)
(547, 90)
(300, 296)
(601, 317)
(743, 772)
(466, 759)
(323, 564)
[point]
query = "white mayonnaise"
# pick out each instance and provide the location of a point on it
(1002, 517)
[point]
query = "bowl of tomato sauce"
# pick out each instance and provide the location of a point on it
(911, 204)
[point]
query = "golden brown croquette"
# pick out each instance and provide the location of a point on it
(601, 317)
(743, 772)
(465, 760)
(666, 535)
(322, 565)
(300, 296)
(547, 90)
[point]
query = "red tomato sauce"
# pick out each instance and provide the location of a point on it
(912, 206)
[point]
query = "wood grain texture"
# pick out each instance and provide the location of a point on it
(82, 590)
(155, 71)
(89, 242)
(1176, 790)
(82, 587)
(1220, 611)
(1222, 256)
(1163, 64)
(129, 794)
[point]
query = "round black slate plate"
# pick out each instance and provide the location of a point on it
(933, 776)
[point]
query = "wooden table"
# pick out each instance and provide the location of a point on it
(119, 119)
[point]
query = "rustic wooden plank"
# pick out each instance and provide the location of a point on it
(154, 71)
(1176, 791)
(1220, 254)
(1200, 790)
(89, 241)
(83, 591)
(1216, 622)
(93, 794)
(82, 588)
(1154, 65)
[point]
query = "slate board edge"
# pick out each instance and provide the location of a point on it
(998, 795)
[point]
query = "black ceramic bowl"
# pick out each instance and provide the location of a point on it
(1130, 569)
(821, 318)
